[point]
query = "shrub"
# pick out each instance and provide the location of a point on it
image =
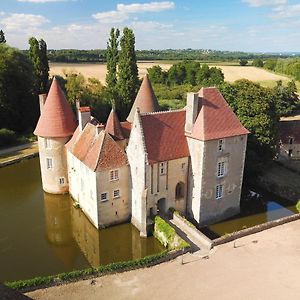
(7, 137)
(298, 206)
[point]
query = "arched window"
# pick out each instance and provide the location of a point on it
(179, 191)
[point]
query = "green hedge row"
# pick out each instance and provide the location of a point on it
(79, 274)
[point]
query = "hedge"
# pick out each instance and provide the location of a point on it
(82, 274)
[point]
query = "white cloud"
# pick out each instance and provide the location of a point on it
(149, 26)
(2, 13)
(42, 1)
(111, 16)
(287, 11)
(258, 3)
(145, 7)
(21, 22)
(124, 10)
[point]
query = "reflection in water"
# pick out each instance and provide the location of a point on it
(59, 228)
(43, 234)
(255, 209)
(66, 224)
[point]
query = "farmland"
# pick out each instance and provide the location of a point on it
(231, 73)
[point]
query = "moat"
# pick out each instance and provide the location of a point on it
(43, 234)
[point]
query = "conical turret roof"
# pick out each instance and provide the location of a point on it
(57, 118)
(113, 126)
(145, 100)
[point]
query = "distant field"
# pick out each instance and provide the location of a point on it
(231, 73)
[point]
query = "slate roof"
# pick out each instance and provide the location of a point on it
(164, 135)
(289, 129)
(57, 118)
(145, 100)
(216, 119)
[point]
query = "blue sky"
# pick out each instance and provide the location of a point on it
(246, 25)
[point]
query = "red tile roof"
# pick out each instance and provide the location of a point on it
(216, 119)
(97, 151)
(57, 118)
(113, 126)
(289, 129)
(164, 135)
(145, 100)
(105, 154)
(126, 129)
(84, 109)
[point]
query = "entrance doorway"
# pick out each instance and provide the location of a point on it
(161, 206)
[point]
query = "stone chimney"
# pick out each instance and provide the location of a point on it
(42, 100)
(192, 104)
(84, 116)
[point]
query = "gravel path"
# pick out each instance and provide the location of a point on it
(265, 265)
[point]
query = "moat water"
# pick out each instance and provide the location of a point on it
(43, 234)
(256, 208)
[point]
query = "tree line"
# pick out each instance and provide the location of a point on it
(289, 66)
(99, 55)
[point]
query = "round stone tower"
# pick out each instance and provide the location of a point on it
(55, 127)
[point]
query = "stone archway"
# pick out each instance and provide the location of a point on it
(179, 190)
(161, 206)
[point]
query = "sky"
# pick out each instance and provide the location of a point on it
(234, 25)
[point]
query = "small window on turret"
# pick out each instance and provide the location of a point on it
(162, 168)
(61, 180)
(220, 145)
(49, 163)
(47, 143)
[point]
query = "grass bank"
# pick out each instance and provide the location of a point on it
(46, 281)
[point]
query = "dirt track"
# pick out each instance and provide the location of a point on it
(265, 265)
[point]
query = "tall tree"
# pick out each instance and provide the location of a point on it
(18, 102)
(112, 61)
(38, 56)
(128, 81)
(2, 37)
(44, 71)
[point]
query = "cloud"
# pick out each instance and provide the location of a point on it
(111, 17)
(258, 3)
(123, 11)
(21, 22)
(149, 26)
(42, 1)
(145, 7)
(287, 11)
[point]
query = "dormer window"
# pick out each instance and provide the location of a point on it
(220, 145)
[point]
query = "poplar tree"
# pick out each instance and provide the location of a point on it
(44, 66)
(112, 61)
(128, 81)
(2, 37)
(38, 56)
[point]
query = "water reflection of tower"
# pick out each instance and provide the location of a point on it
(59, 228)
(116, 243)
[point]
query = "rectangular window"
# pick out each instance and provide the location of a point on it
(61, 180)
(49, 163)
(47, 143)
(219, 191)
(220, 145)
(114, 175)
(291, 140)
(163, 168)
(116, 194)
(103, 197)
(221, 169)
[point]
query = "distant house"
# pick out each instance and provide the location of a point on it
(190, 159)
(289, 138)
